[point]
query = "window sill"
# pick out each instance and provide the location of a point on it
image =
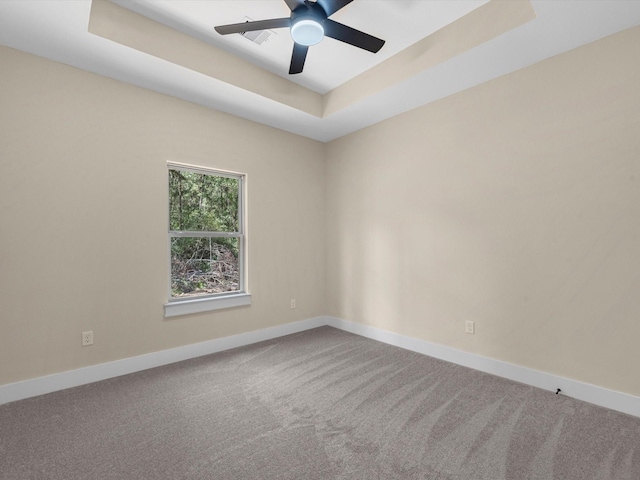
(198, 305)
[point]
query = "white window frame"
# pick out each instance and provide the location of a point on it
(216, 301)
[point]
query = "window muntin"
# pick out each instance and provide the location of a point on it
(206, 233)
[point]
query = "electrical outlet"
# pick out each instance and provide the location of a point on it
(293, 303)
(87, 338)
(470, 327)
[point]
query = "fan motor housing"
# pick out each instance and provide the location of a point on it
(307, 24)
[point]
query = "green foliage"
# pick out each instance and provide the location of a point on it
(203, 203)
(204, 265)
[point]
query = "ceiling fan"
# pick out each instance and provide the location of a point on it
(309, 24)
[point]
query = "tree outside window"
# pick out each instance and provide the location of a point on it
(206, 232)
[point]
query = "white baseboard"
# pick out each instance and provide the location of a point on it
(81, 376)
(603, 397)
(582, 391)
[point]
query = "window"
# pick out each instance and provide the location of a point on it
(206, 240)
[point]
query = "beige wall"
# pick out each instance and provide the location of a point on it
(83, 217)
(515, 204)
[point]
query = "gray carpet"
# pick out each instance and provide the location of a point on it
(322, 404)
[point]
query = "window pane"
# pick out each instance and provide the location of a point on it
(201, 266)
(199, 202)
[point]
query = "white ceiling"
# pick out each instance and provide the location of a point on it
(400, 23)
(57, 29)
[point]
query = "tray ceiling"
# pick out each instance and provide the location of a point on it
(434, 49)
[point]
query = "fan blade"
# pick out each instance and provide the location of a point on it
(251, 26)
(293, 4)
(298, 58)
(352, 36)
(332, 6)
